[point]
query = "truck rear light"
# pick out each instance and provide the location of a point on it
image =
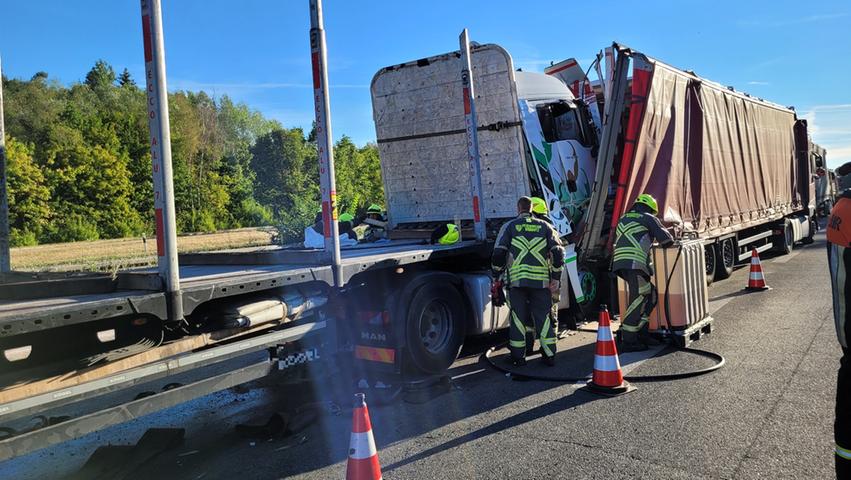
(385, 318)
(375, 354)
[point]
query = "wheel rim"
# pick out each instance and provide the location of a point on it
(435, 323)
(727, 254)
(710, 261)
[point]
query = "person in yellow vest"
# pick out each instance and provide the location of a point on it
(531, 256)
(839, 259)
(376, 224)
(631, 260)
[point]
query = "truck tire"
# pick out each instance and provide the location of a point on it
(809, 239)
(725, 258)
(434, 324)
(711, 255)
(785, 242)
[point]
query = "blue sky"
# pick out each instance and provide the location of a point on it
(256, 51)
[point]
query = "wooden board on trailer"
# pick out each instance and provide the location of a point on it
(76, 377)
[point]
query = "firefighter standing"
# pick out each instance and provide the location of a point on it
(532, 255)
(839, 259)
(631, 261)
(540, 211)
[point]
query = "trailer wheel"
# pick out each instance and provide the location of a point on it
(710, 254)
(434, 326)
(725, 258)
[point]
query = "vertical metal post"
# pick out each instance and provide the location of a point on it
(324, 139)
(158, 124)
(471, 124)
(5, 259)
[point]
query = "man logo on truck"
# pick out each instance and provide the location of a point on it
(373, 336)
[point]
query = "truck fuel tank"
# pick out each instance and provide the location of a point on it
(487, 318)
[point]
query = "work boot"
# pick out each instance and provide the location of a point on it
(648, 339)
(627, 347)
(549, 361)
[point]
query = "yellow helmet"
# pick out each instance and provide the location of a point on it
(647, 199)
(539, 206)
(452, 235)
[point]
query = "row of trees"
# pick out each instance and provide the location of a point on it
(79, 163)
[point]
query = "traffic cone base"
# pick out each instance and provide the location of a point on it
(363, 456)
(756, 280)
(607, 378)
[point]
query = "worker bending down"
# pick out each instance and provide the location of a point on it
(636, 231)
(529, 252)
(839, 259)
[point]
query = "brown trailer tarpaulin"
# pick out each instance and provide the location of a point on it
(719, 160)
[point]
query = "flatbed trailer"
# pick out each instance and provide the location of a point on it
(204, 277)
(80, 343)
(322, 336)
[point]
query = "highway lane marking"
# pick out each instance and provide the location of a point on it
(786, 258)
(715, 305)
(462, 375)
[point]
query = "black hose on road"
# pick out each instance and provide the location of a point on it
(719, 362)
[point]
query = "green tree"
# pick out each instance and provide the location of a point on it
(287, 179)
(125, 79)
(101, 76)
(29, 197)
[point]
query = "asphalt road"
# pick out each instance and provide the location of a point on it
(767, 414)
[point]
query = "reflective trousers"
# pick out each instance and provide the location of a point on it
(530, 312)
(642, 301)
(842, 425)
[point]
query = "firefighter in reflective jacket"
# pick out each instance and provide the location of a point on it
(839, 259)
(631, 261)
(530, 253)
(540, 211)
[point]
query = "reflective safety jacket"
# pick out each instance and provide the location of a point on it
(531, 252)
(839, 258)
(635, 234)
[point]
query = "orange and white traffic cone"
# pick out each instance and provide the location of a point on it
(363, 457)
(607, 378)
(756, 281)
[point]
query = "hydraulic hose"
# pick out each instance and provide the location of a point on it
(719, 360)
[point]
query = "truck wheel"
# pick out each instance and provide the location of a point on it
(785, 242)
(725, 258)
(434, 326)
(808, 240)
(710, 254)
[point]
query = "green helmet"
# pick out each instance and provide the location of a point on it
(346, 217)
(452, 235)
(375, 208)
(539, 206)
(647, 199)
